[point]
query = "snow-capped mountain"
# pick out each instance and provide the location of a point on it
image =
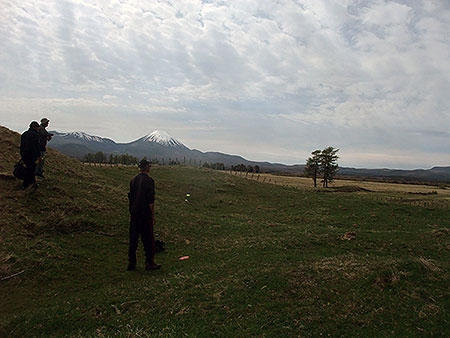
(78, 143)
(161, 137)
(156, 144)
(83, 136)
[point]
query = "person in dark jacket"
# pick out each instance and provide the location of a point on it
(142, 217)
(30, 152)
(45, 136)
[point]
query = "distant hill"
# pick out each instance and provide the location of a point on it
(435, 174)
(160, 145)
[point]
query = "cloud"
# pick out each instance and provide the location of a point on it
(292, 75)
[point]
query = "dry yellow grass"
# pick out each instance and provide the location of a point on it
(306, 183)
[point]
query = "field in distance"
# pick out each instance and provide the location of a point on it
(375, 186)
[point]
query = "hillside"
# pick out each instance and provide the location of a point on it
(264, 260)
(70, 200)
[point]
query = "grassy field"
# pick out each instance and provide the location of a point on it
(264, 260)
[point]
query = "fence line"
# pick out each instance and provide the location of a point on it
(93, 164)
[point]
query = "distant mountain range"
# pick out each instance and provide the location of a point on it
(160, 145)
(157, 145)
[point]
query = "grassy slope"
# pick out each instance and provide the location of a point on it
(264, 260)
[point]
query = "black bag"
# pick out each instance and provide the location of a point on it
(159, 245)
(20, 171)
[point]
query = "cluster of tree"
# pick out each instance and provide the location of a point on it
(322, 164)
(127, 159)
(176, 161)
(245, 168)
(216, 166)
(100, 157)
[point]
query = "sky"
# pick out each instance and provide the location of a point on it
(271, 80)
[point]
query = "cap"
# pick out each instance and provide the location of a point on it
(143, 164)
(44, 120)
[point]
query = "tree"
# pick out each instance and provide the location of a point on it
(313, 165)
(220, 166)
(99, 157)
(89, 158)
(328, 165)
(239, 167)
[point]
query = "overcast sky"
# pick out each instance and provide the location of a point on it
(266, 79)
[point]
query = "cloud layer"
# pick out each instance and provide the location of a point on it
(271, 80)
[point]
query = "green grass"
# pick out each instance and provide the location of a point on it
(264, 260)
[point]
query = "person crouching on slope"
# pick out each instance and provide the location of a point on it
(142, 217)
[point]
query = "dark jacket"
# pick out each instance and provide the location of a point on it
(141, 195)
(44, 136)
(30, 145)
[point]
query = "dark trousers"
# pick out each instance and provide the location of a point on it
(141, 225)
(40, 165)
(30, 177)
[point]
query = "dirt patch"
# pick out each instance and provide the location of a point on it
(349, 236)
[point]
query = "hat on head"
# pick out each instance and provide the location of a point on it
(143, 164)
(34, 124)
(44, 120)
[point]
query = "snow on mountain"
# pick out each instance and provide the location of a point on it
(84, 136)
(158, 136)
(163, 138)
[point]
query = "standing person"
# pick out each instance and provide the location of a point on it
(30, 152)
(142, 217)
(45, 136)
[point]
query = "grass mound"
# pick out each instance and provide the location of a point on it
(9, 145)
(65, 202)
(348, 188)
(343, 189)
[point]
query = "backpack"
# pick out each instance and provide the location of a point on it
(20, 171)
